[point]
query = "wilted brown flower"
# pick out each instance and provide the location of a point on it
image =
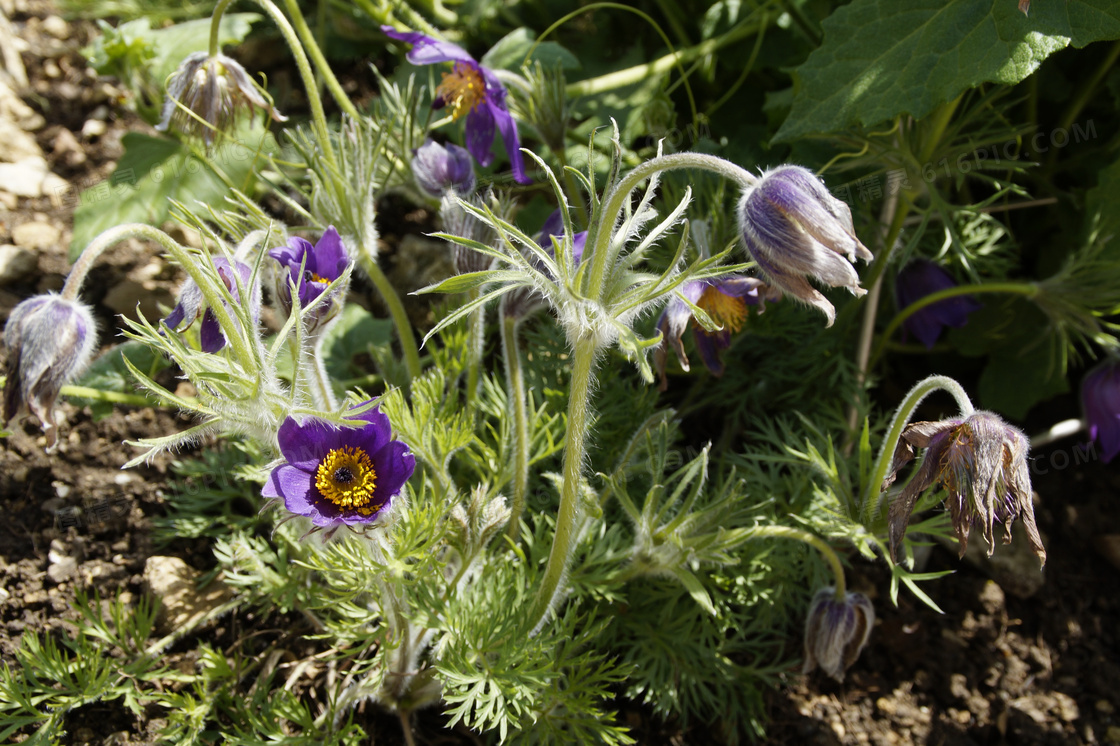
(982, 463)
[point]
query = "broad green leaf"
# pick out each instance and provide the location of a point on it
(511, 49)
(882, 58)
(355, 333)
(155, 170)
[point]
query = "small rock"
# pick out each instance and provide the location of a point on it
(56, 27)
(62, 570)
(50, 69)
(36, 235)
(101, 113)
(61, 489)
(16, 144)
(68, 149)
(29, 177)
(173, 582)
(16, 263)
(1104, 707)
(94, 128)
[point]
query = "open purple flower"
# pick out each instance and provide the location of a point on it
(192, 304)
(49, 341)
(339, 476)
(438, 168)
(1100, 397)
(473, 91)
(981, 461)
(836, 631)
(795, 230)
(311, 269)
(725, 300)
(919, 278)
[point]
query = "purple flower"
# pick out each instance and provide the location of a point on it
(438, 169)
(339, 476)
(205, 94)
(919, 278)
(473, 91)
(554, 227)
(981, 461)
(191, 304)
(836, 631)
(794, 229)
(1100, 398)
(311, 269)
(523, 301)
(725, 300)
(49, 341)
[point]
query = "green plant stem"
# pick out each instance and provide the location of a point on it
(570, 183)
(639, 73)
(113, 397)
(901, 418)
(476, 339)
(599, 239)
(318, 117)
(1027, 289)
(320, 61)
(568, 519)
(816, 542)
(515, 391)
(322, 393)
(396, 311)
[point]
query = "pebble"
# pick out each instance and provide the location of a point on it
(16, 263)
(30, 177)
(94, 128)
(173, 582)
(36, 235)
(67, 148)
(56, 27)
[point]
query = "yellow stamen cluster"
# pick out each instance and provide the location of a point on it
(346, 477)
(463, 89)
(727, 311)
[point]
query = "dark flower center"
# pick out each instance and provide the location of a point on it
(346, 478)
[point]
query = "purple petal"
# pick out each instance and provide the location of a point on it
(292, 254)
(425, 49)
(394, 465)
(708, 344)
(304, 445)
(480, 134)
(508, 129)
(293, 486)
(1100, 398)
(330, 255)
(175, 318)
(210, 336)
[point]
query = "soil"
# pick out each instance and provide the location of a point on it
(994, 668)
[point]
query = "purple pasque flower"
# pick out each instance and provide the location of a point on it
(916, 280)
(725, 300)
(50, 340)
(311, 269)
(205, 94)
(795, 230)
(1100, 398)
(192, 304)
(836, 631)
(524, 301)
(439, 168)
(472, 91)
(554, 228)
(981, 461)
(339, 476)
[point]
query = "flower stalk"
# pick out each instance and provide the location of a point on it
(515, 390)
(396, 310)
(816, 542)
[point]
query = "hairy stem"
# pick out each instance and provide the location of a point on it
(476, 339)
(568, 520)
(396, 311)
(816, 542)
(515, 391)
(320, 61)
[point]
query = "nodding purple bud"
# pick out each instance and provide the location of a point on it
(191, 304)
(312, 268)
(836, 631)
(795, 230)
(49, 341)
(205, 95)
(554, 227)
(919, 278)
(439, 168)
(1100, 398)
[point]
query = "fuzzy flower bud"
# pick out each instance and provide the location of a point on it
(794, 229)
(1100, 398)
(981, 461)
(920, 278)
(439, 168)
(205, 94)
(836, 631)
(49, 340)
(311, 269)
(192, 304)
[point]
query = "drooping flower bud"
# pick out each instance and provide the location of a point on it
(1100, 398)
(439, 169)
(205, 94)
(836, 631)
(192, 304)
(919, 278)
(49, 341)
(981, 461)
(794, 229)
(312, 268)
